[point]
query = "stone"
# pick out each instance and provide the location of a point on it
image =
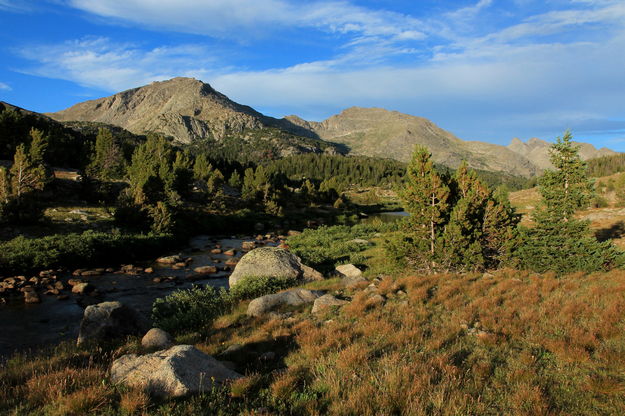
(205, 270)
(248, 245)
(30, 296)
(170, 259)
(148, 270)
(376, 300)
(88, 273)
(82, 288)
(271, 262)
(293, 233)
(294, 297)
(327, 301)
(156, 339)
(230, 253)
(216, 251)
(176, 372)
(351, 275)
(360, 241)
(77, 272)
(267, 356)
(109, 320)
(74, 282)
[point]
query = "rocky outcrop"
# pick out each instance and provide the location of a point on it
(109, 320)
(178, 371)
(294, 297)
(351, 275)
(272, 262)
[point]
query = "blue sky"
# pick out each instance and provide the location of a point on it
(485, 70)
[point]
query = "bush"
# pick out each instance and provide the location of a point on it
(190, 309)
(253, 287)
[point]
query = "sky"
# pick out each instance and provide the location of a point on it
(486, 70)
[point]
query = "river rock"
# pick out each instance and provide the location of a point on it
(178, 371)
(30, 296)
(170, 259)
(157, 339)
(230, 252)
(82, 288)
(205, 270)
(327, 301)
(272, 262)
(109, 320)
(248, 245)
(293, 297)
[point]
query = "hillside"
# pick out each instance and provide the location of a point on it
(382, 133)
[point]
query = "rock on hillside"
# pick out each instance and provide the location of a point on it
(382, 133)
(537, 151)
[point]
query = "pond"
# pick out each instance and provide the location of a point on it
(385, 216)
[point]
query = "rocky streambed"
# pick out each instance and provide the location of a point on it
(47, 308)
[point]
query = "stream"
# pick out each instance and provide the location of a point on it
(25, 327)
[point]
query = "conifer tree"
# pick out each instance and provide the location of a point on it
(5, 186)
(248, 192)
(202, 168)
(499, 236)
(38, 147)
(25, 176)
(235, 180)
(425, 197)
(559, 242)
(107, 161)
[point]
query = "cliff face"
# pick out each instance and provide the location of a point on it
(537, 151)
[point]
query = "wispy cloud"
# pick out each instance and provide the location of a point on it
(5, 87)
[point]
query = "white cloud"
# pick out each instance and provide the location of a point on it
(244, 17)
(99, 63)
(5, 87)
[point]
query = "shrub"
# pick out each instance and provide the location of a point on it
(190, 309)
(253, 287)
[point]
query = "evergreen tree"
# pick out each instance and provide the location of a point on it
(202, 168)
(25, 176)
(235, 180)
(182, 174)
(559, 242)
(5, 186)
(425, 197)
(107, 162)
(248, 192)
(38, 147)
(499, 235)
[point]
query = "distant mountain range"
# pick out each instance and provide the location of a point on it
(189, 110)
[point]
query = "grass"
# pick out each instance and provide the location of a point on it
(513, 343)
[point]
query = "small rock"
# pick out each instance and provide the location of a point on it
(30, 296)
(77, 272)
(376, 300)
(82, 288)
(74, 282)
(327, 301)
(231, 252)
(88, 273)
(216, 251)
(157, 280)
(148, 270)
(157, 339)
(267, 356)
(170, 259)
(293, 233)
(205, 270)
(249, 245)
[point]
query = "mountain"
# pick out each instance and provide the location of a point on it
(382, 133)
(537, 151)
(189, 111)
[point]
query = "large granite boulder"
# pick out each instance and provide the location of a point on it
(272, 262)
(109, 320)
(179, 371)
(294, 297)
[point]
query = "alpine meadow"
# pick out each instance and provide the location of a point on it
(168, 250)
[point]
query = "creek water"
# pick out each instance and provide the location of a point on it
(26, 327)
(390, 216)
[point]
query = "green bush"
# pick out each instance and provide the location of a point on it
(190, 309)
(253, 287)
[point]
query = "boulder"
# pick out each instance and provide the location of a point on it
(82, 288)
(156, 339)
(327, 301)
(248, 245)
(293, 297)
(30, 296)
(272, 262)
(178, 371)
(108, 320)
(351, 275)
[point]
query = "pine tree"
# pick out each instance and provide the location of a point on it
(499, 236)
(25, 177)
(107, 161)
(235, 180)
(5, 186)
(559, 242)
(202, 168)
(38, 147)
(248, 191)
(425, 197)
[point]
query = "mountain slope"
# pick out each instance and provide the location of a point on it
(537, 151)
(383, 133)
